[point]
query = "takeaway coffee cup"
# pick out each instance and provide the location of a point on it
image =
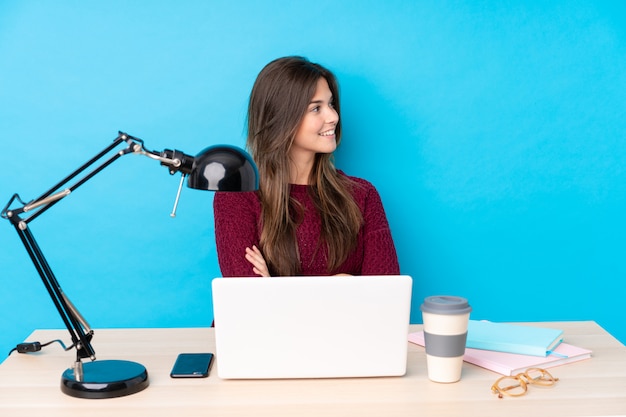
(445, 333)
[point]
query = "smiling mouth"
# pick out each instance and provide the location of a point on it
(328, 133)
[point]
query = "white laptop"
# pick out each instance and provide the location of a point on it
(311, 327)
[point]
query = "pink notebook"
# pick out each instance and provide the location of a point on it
(511, 363)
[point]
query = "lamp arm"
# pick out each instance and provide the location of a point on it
(51, 197)
(80, 332)
(80, 336)
(47, 200)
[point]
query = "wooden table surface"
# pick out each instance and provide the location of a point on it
(29, 383)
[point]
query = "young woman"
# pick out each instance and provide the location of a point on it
(307, 218)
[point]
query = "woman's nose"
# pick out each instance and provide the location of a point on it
(332, 115)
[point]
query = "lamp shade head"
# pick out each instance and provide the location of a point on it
(224, 168)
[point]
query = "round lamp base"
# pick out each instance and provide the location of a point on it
(105, 379)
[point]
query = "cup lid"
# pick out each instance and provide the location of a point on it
(446, 304)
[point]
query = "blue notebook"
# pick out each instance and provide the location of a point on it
(512, 338)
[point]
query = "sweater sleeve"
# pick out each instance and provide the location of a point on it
(236, 227)
(379, 257)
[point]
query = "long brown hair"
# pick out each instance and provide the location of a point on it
(278, 103)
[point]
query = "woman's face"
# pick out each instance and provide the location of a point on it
(316, 133)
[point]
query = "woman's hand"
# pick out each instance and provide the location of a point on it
(255, 257)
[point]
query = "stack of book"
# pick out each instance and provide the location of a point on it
(511, 348)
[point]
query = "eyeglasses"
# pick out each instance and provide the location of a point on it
(517, 385)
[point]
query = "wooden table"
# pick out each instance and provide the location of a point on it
(29, 383)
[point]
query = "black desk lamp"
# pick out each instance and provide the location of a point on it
(217, 168)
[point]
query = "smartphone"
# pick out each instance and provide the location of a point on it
(192, 365)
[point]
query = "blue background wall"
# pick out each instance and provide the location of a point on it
(494, 132)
